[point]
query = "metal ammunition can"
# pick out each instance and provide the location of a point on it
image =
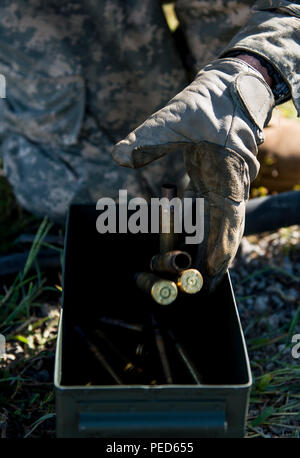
(216, 408)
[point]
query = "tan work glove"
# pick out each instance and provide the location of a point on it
(217, 121)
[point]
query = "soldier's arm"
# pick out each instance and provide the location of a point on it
(272, 36)
(269, 33)
(217, 122)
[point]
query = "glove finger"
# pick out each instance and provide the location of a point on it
(150, 141)
(226, 227)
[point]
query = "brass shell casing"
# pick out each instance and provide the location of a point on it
(190, 281)
(167, 237)
(164, 292)
(170, 262)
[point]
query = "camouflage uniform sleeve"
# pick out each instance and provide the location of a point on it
(273, 33)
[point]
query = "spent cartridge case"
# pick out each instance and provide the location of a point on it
(140, 349)
(128, 366)
(190, 281)
(195, 375)
(172, 262)
(122, 324)
(167, 236)
(98, 355)
(164, 292)
(160, 345)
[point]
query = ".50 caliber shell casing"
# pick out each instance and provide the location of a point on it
(121, 324)
(167, 237)
(197, 377)
(172, 262)
(98, 355)
(128, 366)
(160, 345)
(140, 350)
(164, 292)
(190, 281)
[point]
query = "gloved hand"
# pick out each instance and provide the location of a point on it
(217, 121)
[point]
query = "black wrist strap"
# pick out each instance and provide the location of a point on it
(280, 89)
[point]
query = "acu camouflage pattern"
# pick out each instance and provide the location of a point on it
(81, 74)
(209, 26)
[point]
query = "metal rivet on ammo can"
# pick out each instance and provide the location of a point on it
(190, 281)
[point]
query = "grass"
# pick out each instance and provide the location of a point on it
(275, 401)
(29, 317)
(275, 395)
